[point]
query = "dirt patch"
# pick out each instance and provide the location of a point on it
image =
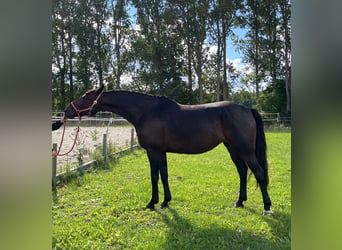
(88, 140)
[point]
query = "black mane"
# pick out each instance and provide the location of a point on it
(148, 97)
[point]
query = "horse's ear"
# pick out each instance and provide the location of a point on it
(100, 89)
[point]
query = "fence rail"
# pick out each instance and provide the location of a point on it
(274, 119)
(56, 176)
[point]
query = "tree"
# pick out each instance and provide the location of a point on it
(158, 48)
(199, 26)
(253, 46)
(99, 13)
(120, 32)
(84, 32)
(194, 18)
(186, 10)
(166, 53)
(62, 49)
(267, 45)
(244, 97)
(269, 36)
(273, 98)
(285, 11)
(222, 19)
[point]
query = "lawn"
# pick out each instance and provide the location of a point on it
(104, 209)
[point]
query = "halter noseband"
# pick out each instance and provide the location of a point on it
(78, 111)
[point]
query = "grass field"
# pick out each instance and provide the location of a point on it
(104, 209)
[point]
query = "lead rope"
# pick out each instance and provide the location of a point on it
(78, 127)
(61, 142)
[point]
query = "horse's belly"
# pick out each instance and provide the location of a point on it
(192, 145)
(197, 150)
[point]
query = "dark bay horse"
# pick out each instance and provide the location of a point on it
(163, 125)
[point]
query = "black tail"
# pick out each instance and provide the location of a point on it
(260, 147)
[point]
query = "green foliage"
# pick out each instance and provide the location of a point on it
(94, 134)
(273, 98)
(105, 209)
(244, 97)
(163, 48)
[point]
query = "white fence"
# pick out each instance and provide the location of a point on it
(275, 120)
(90, 140)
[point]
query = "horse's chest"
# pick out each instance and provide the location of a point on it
(151, 134)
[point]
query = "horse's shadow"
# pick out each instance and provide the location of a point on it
(183, 234)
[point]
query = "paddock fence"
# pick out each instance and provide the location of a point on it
(103, 135)
(274, 121)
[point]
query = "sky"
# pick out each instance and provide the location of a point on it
(232, 53)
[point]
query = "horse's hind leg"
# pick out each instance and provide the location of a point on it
(259, 175)
(242, 170)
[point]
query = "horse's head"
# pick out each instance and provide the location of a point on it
(85, 105)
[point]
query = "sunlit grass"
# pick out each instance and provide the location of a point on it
(105, 209)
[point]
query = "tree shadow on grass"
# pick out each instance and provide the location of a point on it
(184, 235)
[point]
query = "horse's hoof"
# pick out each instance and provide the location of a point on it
(238, 205)
(162, 206)
(267, 213)
(150, 206)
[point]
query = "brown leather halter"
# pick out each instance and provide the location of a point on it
(78, 111)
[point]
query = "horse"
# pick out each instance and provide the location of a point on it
(163, 125)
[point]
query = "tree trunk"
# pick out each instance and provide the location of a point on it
(118, 59)
(189, 67)
(99, 54)
(284, 11)
(218, 63)
(71, 82)
(200, 88)
(257, 77)
(224, 44)
(62, 72)
(199, 75)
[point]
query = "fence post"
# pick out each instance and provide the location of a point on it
(104, 146)
(54, 166)
(132, 138)
(278, 119)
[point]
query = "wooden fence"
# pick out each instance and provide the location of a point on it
(56, 176)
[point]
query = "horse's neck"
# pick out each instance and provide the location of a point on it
(128, 105)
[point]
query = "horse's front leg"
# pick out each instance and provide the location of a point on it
(165, 181)
(154, 182)
(158, 164)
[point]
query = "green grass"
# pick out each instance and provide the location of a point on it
(104, 209)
